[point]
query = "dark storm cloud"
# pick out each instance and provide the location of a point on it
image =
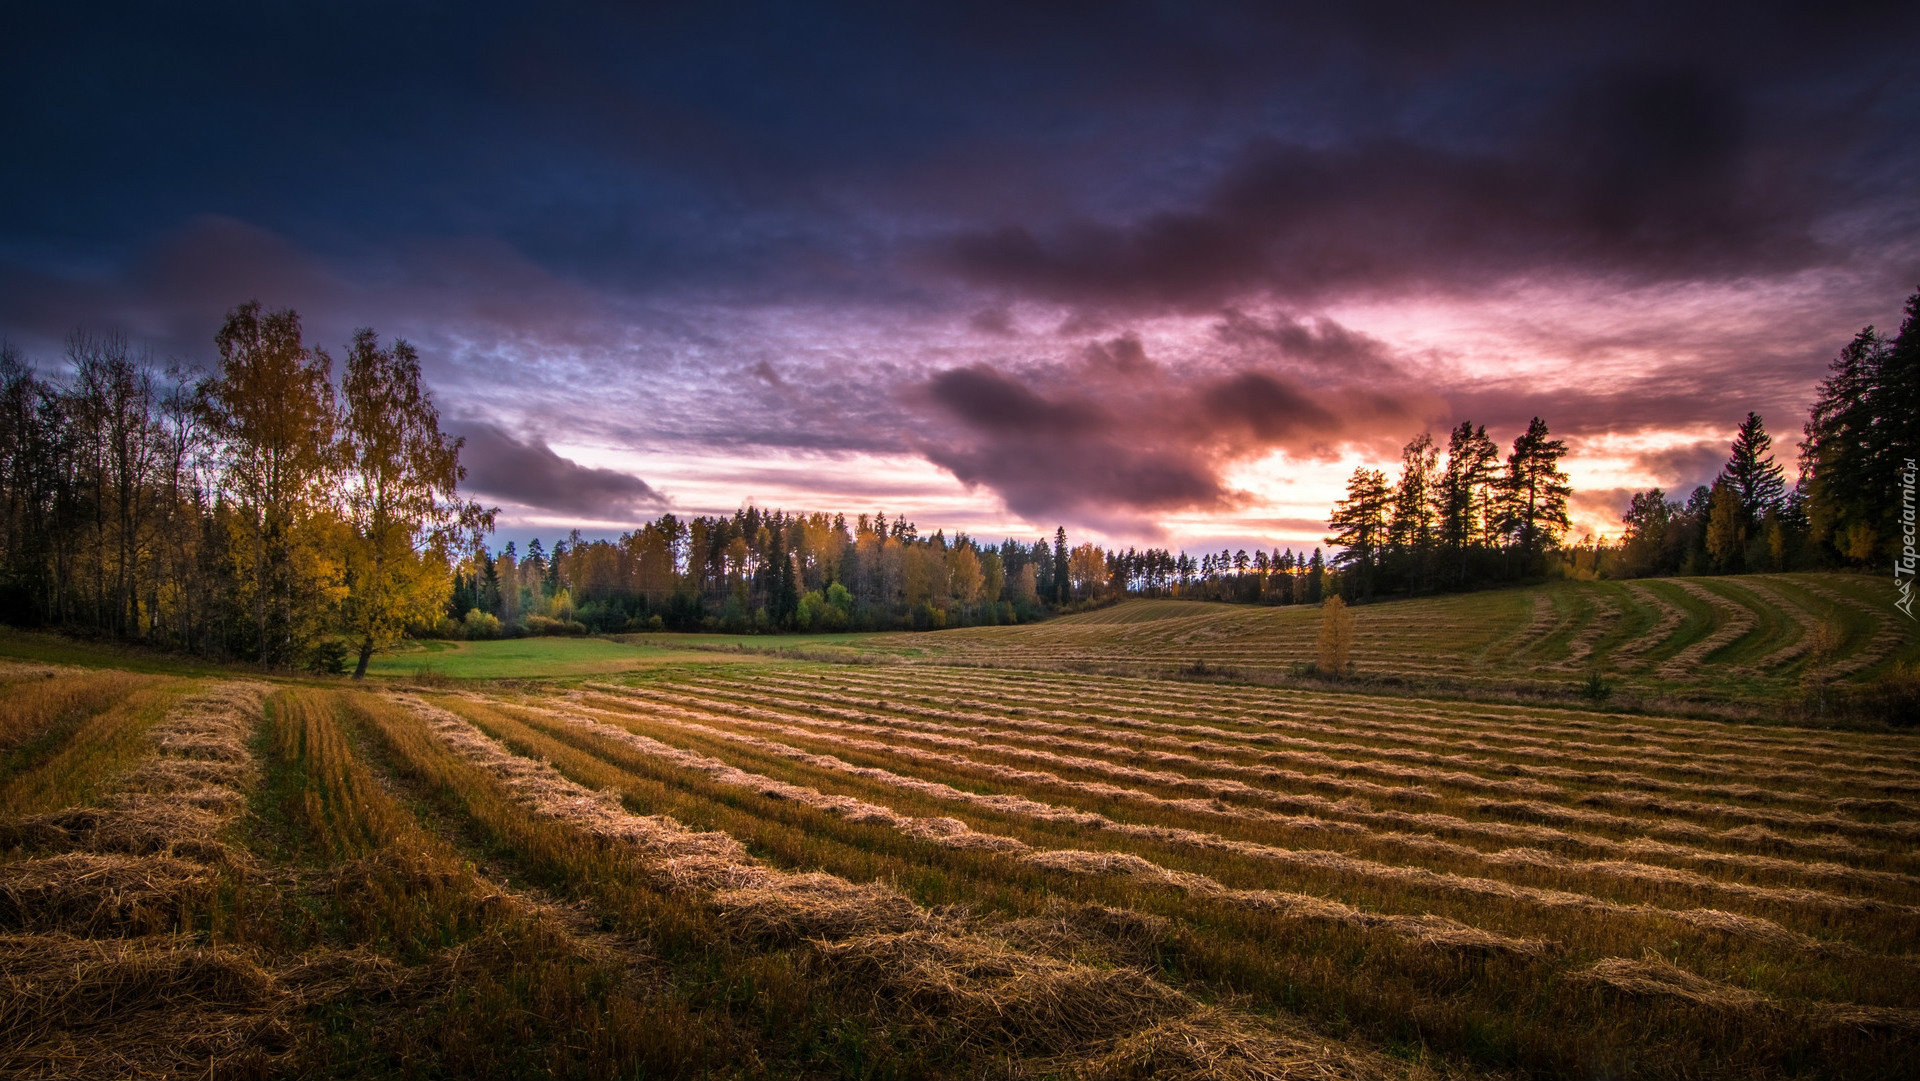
(1072, 442)
(1665, 189)
(1682, 468)
(528, 472)
(988, 401)
(1319, 342)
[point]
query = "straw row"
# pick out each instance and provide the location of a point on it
(874, 939)
(1180, 837)
(1207, 737)
(1736, 621)
(952, 833)
(947, 735)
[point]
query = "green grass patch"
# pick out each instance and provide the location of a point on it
(534, 658)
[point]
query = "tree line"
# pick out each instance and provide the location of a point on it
(259, 512)
(262, 512)
(1467, 521)
(1472, 520)
(760, 571)
(1844, 508)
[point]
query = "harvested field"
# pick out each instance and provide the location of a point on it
(1705, 642)
(763, 867)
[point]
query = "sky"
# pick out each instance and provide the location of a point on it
(1162, 273)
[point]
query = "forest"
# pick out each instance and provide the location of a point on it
(259, 512)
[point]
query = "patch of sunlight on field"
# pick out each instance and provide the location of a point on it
(533, 658)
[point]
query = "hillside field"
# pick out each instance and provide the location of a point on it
(1005, 852)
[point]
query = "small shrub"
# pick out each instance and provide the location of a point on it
(1596, 688)
(1336, 638)
(329, 658)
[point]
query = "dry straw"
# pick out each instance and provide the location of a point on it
(1355, 809)
(1621, 870)
(1736, 622)
(1425, 929)
(927, 970)
(91, 894)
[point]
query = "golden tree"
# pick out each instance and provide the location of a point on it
(964, 575)
(1336, 637)
(271, 411)
(403, 514)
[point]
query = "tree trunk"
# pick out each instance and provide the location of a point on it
(366, 653)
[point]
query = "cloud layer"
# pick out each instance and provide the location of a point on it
(527, 472)
(1117, 439)
(1101, 271)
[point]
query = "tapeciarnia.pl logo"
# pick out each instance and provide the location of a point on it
(1904, 563)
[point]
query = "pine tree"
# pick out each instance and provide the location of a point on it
(1062, 583)
(1864, 423)
(1465, 495)
(1359, 523)
(1411, 533)
(1751, 472)
(1534, 495)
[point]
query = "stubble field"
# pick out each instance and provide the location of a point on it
(771, 867)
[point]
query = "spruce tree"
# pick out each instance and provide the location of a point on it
(1751, 471)
(1534, 494)
(1062, 585)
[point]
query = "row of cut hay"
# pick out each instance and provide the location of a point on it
(1846, 803)
(1734, 622)
(1606, 616)
(1665, 761)
(1806, 627)
(1041, 733)
(1744, 927)
(145, 858)
(1696, 741)
(155, 1007)
(1201, 737)
(488, 980)
(1887, 634)
(40, 700)
(914, 964)
(1504, 727)
(91, 982)
(1655, 978)
(1354, 810)
(1350, 788)
(1322, 860)
(1564, 612)
(1194, 736)
(1079, 1021)
(1774, 762)
(95, 893)
(953, 833)
(661, 697)
(1619, 870)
